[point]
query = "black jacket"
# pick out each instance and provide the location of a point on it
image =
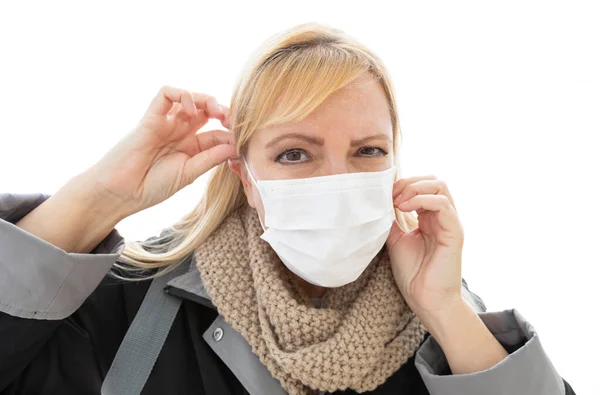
(72, 354)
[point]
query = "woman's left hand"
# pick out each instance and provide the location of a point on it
(426, 262)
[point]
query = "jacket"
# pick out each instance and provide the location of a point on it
(62, 320)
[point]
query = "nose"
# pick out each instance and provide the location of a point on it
(335, 165)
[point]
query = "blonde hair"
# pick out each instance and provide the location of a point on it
(290, 75)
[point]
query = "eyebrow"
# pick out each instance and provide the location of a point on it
(381, 136)
(309, 139)
(321, 141)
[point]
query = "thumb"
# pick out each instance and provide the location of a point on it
(206, 160)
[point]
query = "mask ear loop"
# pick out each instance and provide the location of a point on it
(256, 185)
(250, 173)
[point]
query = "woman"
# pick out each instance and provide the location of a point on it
(301, 271)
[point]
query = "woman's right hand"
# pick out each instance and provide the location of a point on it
(163, 153)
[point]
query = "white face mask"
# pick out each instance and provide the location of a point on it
(328, 229)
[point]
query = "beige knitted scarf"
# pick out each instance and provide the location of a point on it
(362, 334)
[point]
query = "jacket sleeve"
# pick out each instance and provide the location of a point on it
(39, 280)
(526, 370)
(40, 284)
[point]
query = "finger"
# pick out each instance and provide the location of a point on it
(424, 187)
(166, 97)
(174, 109)
(206, 160)
(444, 211)
(212, 138)
(225, 111)
(211, 108)
(199, 121)
(177, 111)
(426, 202)
(226, 121)
(403, 182)
(187, 101)
(184, 116)
(209, 105)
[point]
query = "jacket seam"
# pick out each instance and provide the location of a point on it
(62, 286)
(28, 311)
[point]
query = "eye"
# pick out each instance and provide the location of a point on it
(371, 151)
(295, 155)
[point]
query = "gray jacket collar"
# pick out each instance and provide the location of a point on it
(225, 341)
(190, 286)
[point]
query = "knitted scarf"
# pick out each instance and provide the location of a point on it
(362, 334)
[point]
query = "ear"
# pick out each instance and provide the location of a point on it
(237, 166)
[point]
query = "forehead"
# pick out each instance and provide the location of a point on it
(356, 110)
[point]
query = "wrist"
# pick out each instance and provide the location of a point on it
(466, 342)
(105, 204)
(445, 323)
(96, 204)
(75, 218)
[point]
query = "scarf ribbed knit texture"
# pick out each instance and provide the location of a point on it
(362, 334)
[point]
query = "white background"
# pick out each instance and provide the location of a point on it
(501, 100)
